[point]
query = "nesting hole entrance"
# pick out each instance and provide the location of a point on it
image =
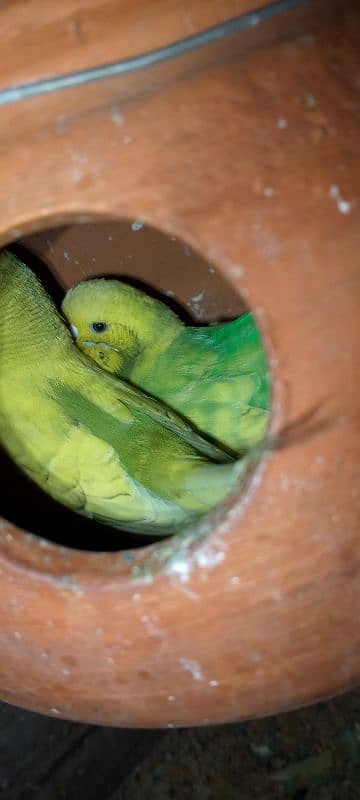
(163, 266)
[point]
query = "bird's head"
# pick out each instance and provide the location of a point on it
(114, 323)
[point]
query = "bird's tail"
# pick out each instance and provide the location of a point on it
(209, 484)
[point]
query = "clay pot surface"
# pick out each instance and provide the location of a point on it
(253, 164)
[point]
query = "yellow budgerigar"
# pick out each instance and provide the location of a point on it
(93, 442)
(215, 375)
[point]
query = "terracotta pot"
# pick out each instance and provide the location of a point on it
(251, 160)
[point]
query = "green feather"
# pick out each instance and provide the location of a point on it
(220, 380)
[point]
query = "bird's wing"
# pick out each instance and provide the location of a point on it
(86, 474)
(225, 406)
(125, 402)
(228, 360)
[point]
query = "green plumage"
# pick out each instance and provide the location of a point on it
(93, 442)
(216, 376)
(218, 380)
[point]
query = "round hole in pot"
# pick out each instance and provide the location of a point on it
(163, 266)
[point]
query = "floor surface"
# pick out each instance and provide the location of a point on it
(311, 754)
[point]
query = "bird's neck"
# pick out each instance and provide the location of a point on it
(148, 334)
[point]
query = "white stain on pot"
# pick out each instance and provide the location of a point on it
(151, 626)
(196, 672)
(310, 100)
(117, 118)
(180, 567)
(195, 303)
(236, 271)
(60, 123)
(76, 175)
(344, 206)
(67, 582)
(197, 298)
(137, 225)
(281, 123)
(80, 162)
(206, 558)
(44, 543)
(193, 667)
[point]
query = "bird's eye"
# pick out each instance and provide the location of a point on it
(98, 327)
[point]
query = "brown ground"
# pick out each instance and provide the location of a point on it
(311, 754)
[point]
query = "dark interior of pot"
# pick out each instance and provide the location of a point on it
(161, 265)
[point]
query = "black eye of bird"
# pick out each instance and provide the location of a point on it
(98, 327)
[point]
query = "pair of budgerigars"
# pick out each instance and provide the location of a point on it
(149, 448)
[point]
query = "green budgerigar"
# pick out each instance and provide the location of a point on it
(93, 442)
(215, 375)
